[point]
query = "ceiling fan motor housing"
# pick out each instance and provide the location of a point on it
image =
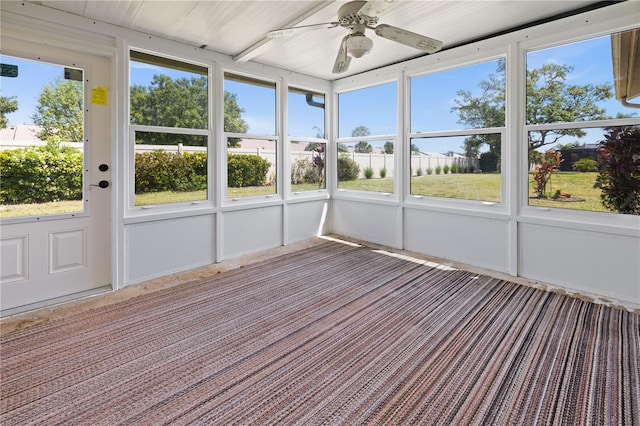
(348, 15)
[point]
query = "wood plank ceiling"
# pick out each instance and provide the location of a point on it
(237, 27)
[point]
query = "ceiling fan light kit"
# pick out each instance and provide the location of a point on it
(358, 44)
(357, 16)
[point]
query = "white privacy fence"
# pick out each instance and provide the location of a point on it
(377, 162)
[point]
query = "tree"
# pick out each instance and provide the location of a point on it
(180, 103)
(59, 111)
(8, 104)
(315, 146)
(550, 99)
(233, 121)
(360, 131)
(362, 146)
(486, 110)
(388, 147)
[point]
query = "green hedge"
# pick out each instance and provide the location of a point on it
(40, 174)
(246, 170)
(52, 173)
(160, 170)
(169, 171)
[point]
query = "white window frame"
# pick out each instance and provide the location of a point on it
(165, 210)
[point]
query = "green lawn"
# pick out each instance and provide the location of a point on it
(480, 186)
(476, 186)
(578, 185)
(40, 209)
(376, 185)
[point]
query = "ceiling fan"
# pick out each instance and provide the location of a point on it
(357, 16)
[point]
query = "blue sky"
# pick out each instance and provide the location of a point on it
(375, 107)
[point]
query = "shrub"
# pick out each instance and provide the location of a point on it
(347, 168)
(454, 168)
(619, 178)
(438, 169)
(419, 171)
(383, 172)
(300, 169)
(489, 162)
(446, 169)
(246, 170)
(160, 170)
(368, 172)
(41, 174)
(585, 165)
(429, 170)
(542, 174)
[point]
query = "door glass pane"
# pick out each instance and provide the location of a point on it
(41, 138)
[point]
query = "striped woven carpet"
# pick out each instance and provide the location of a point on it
(330, 335)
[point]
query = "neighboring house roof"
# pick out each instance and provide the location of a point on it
(21, 133)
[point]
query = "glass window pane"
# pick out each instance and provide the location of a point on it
(369, 111)
(41, 139)
(366, 166)
(306, 114)
(597, 171)
(170, 168)
(251, 167)
(308, 170)
(249, 105)
(168, 93)
(469, 97)
(438, 171)
(576, 82)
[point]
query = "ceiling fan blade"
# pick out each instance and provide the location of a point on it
(376, 7)
(301, 29)
(342, 59)
(408, 38)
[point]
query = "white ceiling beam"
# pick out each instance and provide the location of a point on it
(256, 48)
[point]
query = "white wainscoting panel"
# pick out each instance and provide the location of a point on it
(307, 220)
(162, 247)
(594, 262)
(376, 223)
(251, 230)
(473, 240)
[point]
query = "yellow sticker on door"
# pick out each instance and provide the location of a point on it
(99, 96)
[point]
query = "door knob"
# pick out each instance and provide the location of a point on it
(102, 184)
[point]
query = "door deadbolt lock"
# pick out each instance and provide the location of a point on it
(103, 167)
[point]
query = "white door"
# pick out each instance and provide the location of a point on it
(55, 226)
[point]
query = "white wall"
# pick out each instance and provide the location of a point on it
(470, 239)
(602, 263)
(161, 247)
